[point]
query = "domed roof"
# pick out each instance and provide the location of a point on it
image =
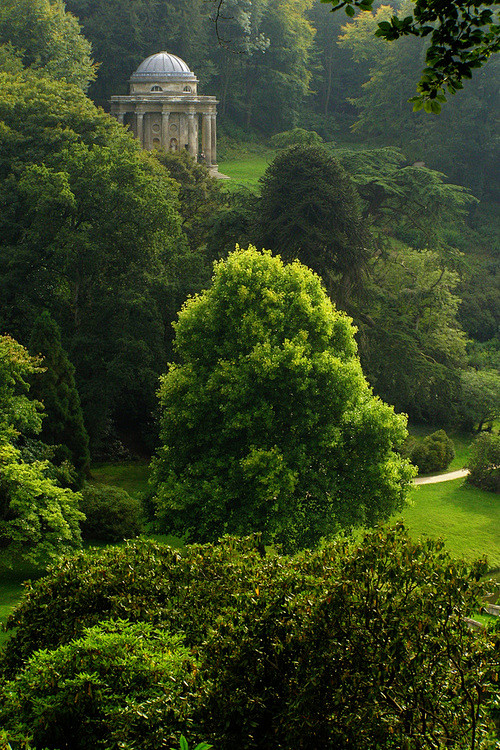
(161, 65)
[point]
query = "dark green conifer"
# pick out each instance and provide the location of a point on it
(63, 425)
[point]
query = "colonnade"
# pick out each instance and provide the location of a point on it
(189, 127)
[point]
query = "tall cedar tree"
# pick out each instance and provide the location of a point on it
(63, 425)
(309, 210)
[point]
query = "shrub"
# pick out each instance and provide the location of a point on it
(294, 137)
(484, 465)
(353, 645)
(434, 453)
(141, 581)
(119, 685)
(111, 513)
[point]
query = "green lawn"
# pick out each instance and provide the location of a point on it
(462, 443)
(11, 588)
(131, 476)
(466, 518)
(245, 172)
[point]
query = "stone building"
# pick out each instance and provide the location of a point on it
(163, 109)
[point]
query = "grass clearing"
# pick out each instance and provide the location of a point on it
(131, 476)
(11, 589)
(468, 519)
(245, 172)
(461, 441)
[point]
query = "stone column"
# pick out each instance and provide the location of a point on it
(213, 131)
(165, 116)
(120, 116)
(206, 138)
(139, 119)
(192, 140)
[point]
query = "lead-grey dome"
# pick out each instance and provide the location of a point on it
(160, 66)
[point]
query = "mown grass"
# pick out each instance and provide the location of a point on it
(11, 588)
(131, 476)
(461, 441)
(468, 519)
(245, 172)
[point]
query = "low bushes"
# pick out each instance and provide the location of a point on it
(484, 465)
(434, 453)
(111, 514)
(353, 645)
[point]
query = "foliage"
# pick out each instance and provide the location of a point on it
(359, 647)
(434, 453)
(37, 517)
(276, 638)
(55, 387)
(411, 345)
(199, 194)
(462, 38)
(484, 465)
(295, 137)
(111, 513)
(267, 423)
(309, 210)
(47, 38)
(388, 74)
(143, 581)
(119, 685)
(410, 202)
(480, 402)
(87, 221)
(201, 745)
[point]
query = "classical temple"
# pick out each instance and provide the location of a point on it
(163, 109)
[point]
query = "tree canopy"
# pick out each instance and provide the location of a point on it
(462, 37)
(48, 39)
(86, 225)
(309, 210)
(267, 422)
(37, 517)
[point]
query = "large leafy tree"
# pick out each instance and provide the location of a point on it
(47, 38)
(37, 517)
(411, 345)
(123, 33)
(267, 422)
(86, 220)
(460, 142)
(309, 209)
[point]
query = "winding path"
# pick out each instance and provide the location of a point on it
(442, 477)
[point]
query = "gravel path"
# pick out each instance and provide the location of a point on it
(442, 477)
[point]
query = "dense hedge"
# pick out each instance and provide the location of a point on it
(350, 646)
(484, 464)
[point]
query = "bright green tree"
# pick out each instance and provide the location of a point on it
(55, 387)
(47, 38)
(37, 517)
(267, 422)
(309, 210)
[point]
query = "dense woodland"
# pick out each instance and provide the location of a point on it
(271, 391)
